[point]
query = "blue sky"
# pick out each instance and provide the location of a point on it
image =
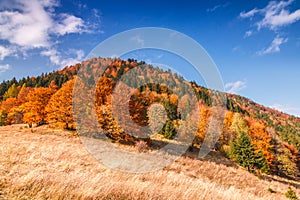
(255, 44)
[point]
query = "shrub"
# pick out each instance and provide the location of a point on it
(271, 190)
(291, 194)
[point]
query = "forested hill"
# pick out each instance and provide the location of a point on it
(59, 77)
(274, 136)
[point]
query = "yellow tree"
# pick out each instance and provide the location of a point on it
(34, 108)
(12, 92)
(238, 125)
(59, 108)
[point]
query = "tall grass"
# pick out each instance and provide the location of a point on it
(49, 164)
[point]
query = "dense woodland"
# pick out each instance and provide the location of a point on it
(258, 138)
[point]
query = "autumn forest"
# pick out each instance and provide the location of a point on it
(257, 138)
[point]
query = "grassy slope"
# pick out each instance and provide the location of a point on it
(52, 164)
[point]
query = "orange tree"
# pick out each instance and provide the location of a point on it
(59, 108)
(5, 108)
(34, 108)
(261, 139)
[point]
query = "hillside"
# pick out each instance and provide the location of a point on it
(53, 164)
(272, 137)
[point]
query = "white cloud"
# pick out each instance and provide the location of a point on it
(3, 68)
(4, 51)
(69, 24)
(248, 34)
(217, 7)
(79, 54)
(30, 24)
(26, 23)
(285, 108)
(53, 55)
(248, 14)
(56, 58)
(274, 15)
(233, 88)
(35, 24)
(274, 47)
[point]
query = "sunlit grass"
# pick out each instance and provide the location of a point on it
(51, 164)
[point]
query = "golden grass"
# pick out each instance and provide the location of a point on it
(51, 164)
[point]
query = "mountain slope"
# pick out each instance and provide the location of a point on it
(275, 135)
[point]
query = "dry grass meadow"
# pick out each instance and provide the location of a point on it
(53, 164)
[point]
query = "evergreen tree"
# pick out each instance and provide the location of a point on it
(242, 151)
(169, 130)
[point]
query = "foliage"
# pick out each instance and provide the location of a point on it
(261, 140)
(238, 125)
(34, 108)
(285, 163)
(24, 91)
(203, 124)
(15, 115)
(26, 100)
(58, 77)
(3, 117)
(59, 108)
(291, 194)
(226, 134)
(12, 92)
(168, 130)
(8, 104)
(242, 151)
(291, 135)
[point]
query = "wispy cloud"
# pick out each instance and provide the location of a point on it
(274, 15)
(235, 87)
(249, 14)
(3, 68)
(5, 51)
(285, 108)
(248, 34)
(217, 7)
(274, 47)
(56, 58)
